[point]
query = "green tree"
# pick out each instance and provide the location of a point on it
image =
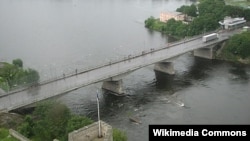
(51, 120)
(189, 10)
(14, 75)
(27, 126)
(149, 22)
(8, 73)
(31, 76)
(18, 63)
(240, 45)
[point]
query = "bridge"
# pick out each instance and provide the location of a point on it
(111, 73)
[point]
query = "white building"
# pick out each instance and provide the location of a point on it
(230, 22)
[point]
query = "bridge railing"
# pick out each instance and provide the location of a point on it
(111, 62)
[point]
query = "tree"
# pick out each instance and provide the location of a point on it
(27, 126)
(213, 7)
(189, 10)
(149, 22)
(239, 45)
(32, 76)
(8, 73)
(52, 120)
(14, 75)
(18, 63)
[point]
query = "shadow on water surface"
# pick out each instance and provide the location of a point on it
(163, 89)
(239, 72)
(196, 72)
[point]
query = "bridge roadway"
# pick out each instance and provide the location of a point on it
(70, 82)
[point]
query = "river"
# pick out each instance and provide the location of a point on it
(58, 36)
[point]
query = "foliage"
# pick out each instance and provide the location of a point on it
(51, 120)
(4, 135)
(32, 76)
(149, 22)
(76, 122)
(18, 63)
(172, 27)
(176, 28)
(240, 45)
(189, 10)
(26, 127)
(119, 135)
(13, 75)
(210, 13)
(8, 74)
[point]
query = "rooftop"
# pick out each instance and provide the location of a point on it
(232, 21)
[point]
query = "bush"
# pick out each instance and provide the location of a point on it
(76, 122)
(119, 135)
(240, 45)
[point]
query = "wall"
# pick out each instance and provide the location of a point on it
(89, 133)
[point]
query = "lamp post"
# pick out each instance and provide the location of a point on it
(98, 111)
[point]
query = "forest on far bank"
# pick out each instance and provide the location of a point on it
(206, 16)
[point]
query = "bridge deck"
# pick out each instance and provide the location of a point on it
(51, 88)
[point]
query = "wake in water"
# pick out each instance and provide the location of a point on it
(173, 100)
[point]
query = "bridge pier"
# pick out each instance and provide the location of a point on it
(165, 67)
(207, 52)
(113, 86)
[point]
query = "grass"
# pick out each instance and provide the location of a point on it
(119, 135)
(5, 136)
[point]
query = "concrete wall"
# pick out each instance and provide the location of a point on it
(89, 133)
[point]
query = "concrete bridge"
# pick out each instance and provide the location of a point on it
(111, 73)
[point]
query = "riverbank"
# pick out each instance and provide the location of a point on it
(225, 55)
(10, 120)
(236, 49)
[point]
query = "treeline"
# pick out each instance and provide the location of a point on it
(14, 75)
(53, 120)
(239, 45)
(206, 16)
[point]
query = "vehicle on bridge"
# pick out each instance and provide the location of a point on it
(210, 37)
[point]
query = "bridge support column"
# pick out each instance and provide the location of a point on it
(207, 53)
(113, 86)
(165, 67)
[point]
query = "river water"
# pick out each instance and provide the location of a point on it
(58, 36)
